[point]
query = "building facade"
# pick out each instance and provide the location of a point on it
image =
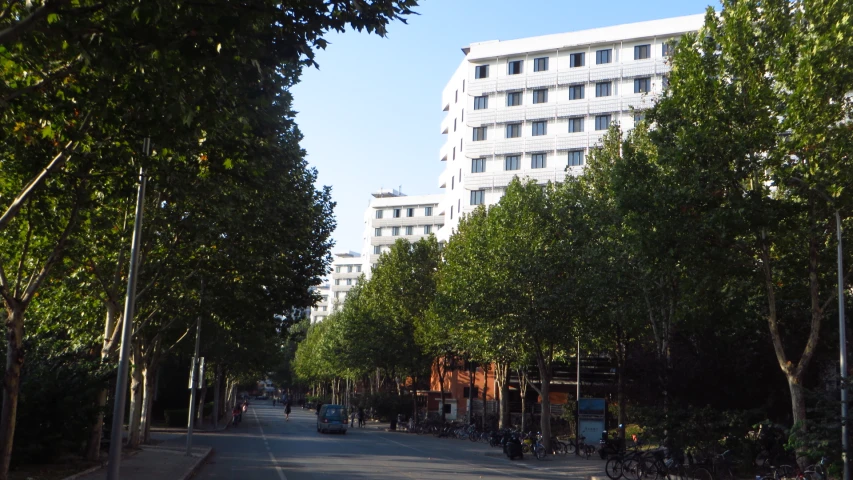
(346, 270)
(391, 215)
(323, 308)
(533, 107)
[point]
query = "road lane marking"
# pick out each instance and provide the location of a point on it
(278, 469)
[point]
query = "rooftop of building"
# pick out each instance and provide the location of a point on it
(626, 32)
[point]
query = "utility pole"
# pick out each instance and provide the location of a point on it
(194, 374)
(578, 400)
(842, 338)
(126, 331)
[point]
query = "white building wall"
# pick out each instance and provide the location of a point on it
(381, 233)
(323, 308)
(459, 180)
(346, 271)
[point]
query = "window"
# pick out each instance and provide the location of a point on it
(463, 85)
(540, 96)
(576, 158)
(602, 89)
(513, 99)
(452, 183)
(478, 165)
(576, 125)
(576, 92)
(379, 214)
(481, 71)
(479, 134)
(338, 269)
(427, 229)
(540, 64)
(409, 230)
(377, 250)
(667, 49)
(481, 103)
(410, 212)
(639, 117)
(451, 212)
(349, 281)
(337, 281)
(454, 124)
(540, 128)
(358, 268)
(377, 232)
(511, 162)
(454, 153)
(576, 60)
(349, 268)
(513, 68)
(427, 211)
(513, 130)
(642, 85)
(395, 231)
(396, 213)
(602, 122)
(537, 160)
(325, 308)
(642, 52)
(603, 56)
(477, 197)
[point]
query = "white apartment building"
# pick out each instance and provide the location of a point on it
(323, 308)
(533, 107)
(346, 269)
(391, 215)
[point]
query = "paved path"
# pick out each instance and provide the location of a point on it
(265, 447)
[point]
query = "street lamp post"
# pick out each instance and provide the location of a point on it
(842, 340)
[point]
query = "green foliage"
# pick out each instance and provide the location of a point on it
(178, 417)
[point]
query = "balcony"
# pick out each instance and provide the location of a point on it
(541, 79)
(637, 101)
(478, 149)
(442, 178)
(540, 112)
(482, 86)
(639, 68)
(510, 115)
(595, 137)
(572, 141)
(604, 105)
(574, 75)
(573, 108)
(344, 274)
(405, 222)
(604, 72)
(480, 117)
(662, 66)
(544, 143)
(502, 179)
(511, 82)
(510, 145)
(442, 152)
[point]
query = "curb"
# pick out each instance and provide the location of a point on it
(85, 472)
(193, 469)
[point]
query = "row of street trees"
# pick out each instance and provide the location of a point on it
(231, 202)
(696, 251)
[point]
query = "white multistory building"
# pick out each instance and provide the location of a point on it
(346, 270)
(324, 307)
(391, 215)
(533, 107)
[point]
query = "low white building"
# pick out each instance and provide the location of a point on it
(391, 215)
(323, 308)
(533, 107)
(346, 270)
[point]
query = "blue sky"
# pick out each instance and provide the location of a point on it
(371, 114)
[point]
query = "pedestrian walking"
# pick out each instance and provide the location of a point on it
(360, 418)
(352, 419)
(287, 411)
(273, 401)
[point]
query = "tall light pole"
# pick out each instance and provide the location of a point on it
(842, 340)
(126, 330)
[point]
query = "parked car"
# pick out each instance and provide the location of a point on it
(332, 418)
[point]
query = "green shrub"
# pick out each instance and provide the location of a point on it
(178, 417)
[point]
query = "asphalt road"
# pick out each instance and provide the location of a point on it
(265, 447)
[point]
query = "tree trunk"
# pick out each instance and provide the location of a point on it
(472, 371)
(414, 401)
(522, 389)
(112, 323)
(502, 374)
(202, 396)
(620, 389)
(485, 391)
(544, 392)
(136, 381)
(149, 375)
(217, 388)
(11, 382)
(442, 372)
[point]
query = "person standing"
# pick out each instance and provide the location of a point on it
(287, 411)
(360, 418)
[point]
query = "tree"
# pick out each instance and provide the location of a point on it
(765, 79)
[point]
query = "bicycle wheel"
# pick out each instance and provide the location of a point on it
(632, 468)
(559, 448)
(613, 468)
(570, 448)
(539, 451)
(525, 448)
(700, 473)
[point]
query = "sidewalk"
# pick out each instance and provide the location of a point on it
(162, 463)
(573, 465)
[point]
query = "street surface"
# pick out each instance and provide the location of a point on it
(265, 447)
